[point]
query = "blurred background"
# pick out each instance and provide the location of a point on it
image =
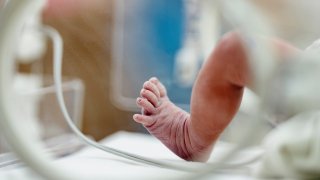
(86, 29)
(89, 30)
(151, 34)
(112, 46)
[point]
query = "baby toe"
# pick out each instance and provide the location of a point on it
(150, 96)
(160, 86)
(143, 119)
(152, 87)
(147, 107)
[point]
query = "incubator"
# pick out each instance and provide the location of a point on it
(261, 142)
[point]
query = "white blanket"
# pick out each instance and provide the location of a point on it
(293, 149)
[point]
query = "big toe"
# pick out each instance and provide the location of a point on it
(143, 119)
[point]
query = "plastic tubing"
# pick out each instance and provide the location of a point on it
(58, 47)
(27, 147)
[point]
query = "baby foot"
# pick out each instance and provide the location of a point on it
(164, 120)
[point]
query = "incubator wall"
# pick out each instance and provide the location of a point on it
(39, 111)
(146, 41)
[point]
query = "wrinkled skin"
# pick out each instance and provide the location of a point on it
(216, 97)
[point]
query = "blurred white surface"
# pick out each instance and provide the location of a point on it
(98, 163)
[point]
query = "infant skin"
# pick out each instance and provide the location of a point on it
(216, 97)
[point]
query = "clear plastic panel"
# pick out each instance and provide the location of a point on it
(146, 41)
(37, 104)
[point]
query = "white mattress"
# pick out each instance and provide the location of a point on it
(100, 164)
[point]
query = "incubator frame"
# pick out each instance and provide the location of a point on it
(31, 151)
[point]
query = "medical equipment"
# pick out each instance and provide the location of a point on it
(42, 163)
(174, 40)
(28, 148)
(160, 35)
(201, 33)
(188, 58)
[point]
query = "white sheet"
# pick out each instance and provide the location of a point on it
(100, 164)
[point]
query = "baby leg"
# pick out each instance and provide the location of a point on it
(216, 97)
(163, 119)
(218, 90)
